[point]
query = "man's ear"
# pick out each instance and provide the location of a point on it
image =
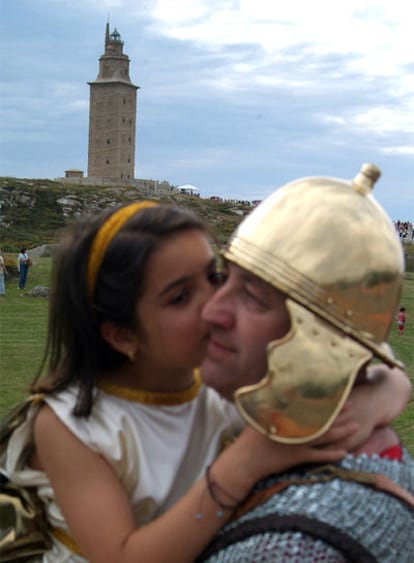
(120, 339)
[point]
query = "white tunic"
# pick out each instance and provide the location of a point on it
(157, 450)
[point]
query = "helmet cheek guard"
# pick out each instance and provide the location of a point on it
(310, 374)
(331, 248)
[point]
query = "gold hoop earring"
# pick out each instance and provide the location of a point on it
(131, 356)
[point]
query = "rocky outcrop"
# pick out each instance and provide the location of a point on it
(35, 212)
(38, 291)
(43, 250)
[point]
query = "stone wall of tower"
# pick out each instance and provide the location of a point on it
(112, 115)
(112, 122)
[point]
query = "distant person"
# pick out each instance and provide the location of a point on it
(23, 264)
(3, 272)
(401, 318)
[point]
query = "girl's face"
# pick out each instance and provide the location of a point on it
(181, 276)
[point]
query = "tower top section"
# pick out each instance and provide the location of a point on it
(113, 64)
(113, 43)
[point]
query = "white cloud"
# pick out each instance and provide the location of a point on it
(383, 120)
(362, 28)
(399, 150)
(294, 47)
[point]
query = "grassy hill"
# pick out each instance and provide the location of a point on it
(34, 212)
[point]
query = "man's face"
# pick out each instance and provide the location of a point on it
(245, 314)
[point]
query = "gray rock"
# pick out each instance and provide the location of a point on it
(38, 291)
(43, 250)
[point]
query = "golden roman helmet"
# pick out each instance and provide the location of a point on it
(330, 247)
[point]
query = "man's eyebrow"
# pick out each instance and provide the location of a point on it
(257, 282)
(251, 278)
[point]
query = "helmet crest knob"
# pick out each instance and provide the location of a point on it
(364, 181)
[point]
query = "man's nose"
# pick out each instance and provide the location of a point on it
(217, 311)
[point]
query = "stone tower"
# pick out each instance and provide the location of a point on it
(112, 114)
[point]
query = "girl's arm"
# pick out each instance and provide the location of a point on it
(384, 383)
(374, 403)
(98, 511)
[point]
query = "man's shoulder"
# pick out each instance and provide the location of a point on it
(310, 505)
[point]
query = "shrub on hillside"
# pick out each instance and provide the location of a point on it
(10, 261)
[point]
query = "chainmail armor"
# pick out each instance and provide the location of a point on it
(379, 522)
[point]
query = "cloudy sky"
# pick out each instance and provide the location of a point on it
(236, 97)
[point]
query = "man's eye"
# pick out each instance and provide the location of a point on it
(249, 294)
(253, 296)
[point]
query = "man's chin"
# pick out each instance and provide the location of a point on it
(216, 375)
(210, 370)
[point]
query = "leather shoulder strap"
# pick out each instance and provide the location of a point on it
(352, 550)
(324, 474)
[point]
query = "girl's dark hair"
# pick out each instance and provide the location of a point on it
(75, 351)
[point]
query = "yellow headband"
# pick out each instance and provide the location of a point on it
(104, 236)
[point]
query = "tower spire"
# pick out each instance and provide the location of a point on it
(107, 33)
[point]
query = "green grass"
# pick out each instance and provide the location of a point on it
(23, 323)
(403, 347)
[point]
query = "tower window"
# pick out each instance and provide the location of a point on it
(108, 141)
(107, 162)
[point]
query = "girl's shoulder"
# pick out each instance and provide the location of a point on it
(99, 430)
(62, 401)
